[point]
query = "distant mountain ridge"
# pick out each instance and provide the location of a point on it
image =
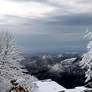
(67, 65)
(39, 61)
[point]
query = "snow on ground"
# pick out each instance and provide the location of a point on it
(51, 86)
(70, 60)
(48, 87)
(77, 89)
(4, 85)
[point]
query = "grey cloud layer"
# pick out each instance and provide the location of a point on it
(78, 19)
(30, 0)
(56, 25)
(65, 7)
(60, 30)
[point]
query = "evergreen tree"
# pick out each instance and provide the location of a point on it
(10, 67)
(86, 61)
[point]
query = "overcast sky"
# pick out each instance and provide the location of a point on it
(47, 25)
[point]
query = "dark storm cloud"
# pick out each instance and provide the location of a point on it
(55, 24)
(57, 36)
(60, 29)
(78, 19)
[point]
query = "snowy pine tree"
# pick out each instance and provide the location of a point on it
(10, 67)
(86, 61)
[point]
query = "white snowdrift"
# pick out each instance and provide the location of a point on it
(41, 86)
(51, 86)
(48, 87)
(5, 85)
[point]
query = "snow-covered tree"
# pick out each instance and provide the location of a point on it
(86, 61)
(10, 67)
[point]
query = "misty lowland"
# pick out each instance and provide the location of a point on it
(45, 45)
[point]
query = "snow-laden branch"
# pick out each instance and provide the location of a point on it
(86, 61)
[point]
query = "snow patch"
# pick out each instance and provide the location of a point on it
(51, 86)
(48, 87)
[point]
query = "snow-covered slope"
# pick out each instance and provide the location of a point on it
(51, 86)
(48, 86)
(71, 60)
(63, 66)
